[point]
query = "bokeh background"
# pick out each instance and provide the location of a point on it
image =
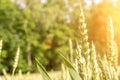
(42, 27)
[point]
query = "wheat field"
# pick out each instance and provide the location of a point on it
(87, 64)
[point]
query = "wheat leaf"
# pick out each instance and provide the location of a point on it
(42, 71)
(73, 73)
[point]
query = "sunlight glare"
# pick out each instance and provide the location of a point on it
(115, 1)
(97, 1)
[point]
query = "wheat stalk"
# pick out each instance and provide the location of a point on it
(80, 64)
(95, 66)
(83, 34)
(0, 46)
(64, 73)
(85, 51)
(16, 60)
(71, 50)
(83, 56)
(112, 51)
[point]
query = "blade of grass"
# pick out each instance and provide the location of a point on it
(42, 71)
(73, 73)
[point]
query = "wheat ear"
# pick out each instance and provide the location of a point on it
(16, 60)
(112, 51)
(0, 46)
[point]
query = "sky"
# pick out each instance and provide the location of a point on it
(89, 2)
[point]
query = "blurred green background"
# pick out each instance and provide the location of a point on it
(41, 27)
